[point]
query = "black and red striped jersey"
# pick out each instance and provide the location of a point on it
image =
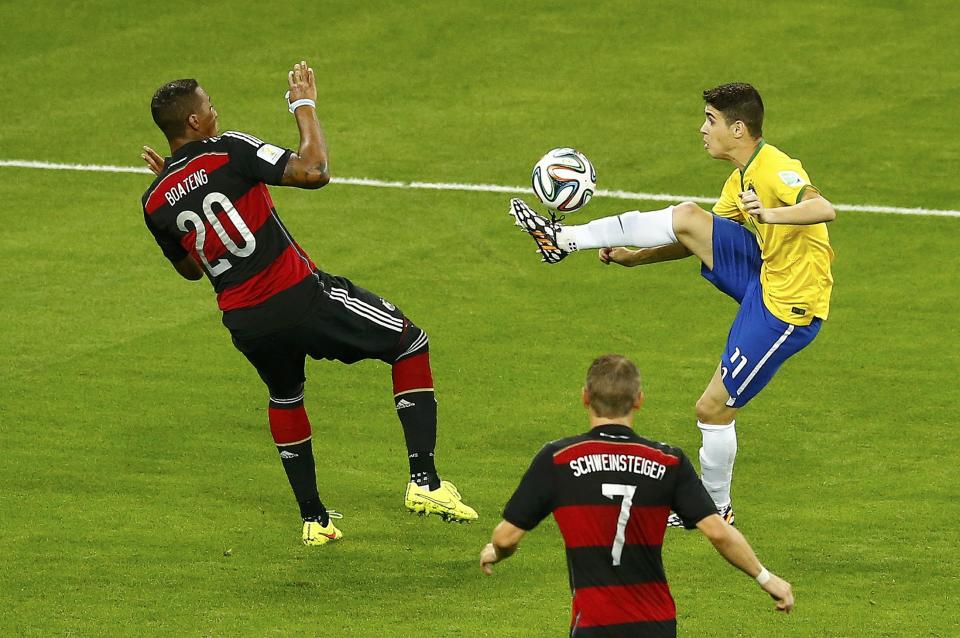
(610, 492)
(211, 201)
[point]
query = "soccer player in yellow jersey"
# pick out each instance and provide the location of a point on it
(765, 244)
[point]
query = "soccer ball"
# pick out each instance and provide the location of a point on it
(564, 180)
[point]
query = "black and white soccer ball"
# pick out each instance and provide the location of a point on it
(564, 180)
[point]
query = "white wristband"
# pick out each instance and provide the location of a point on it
(763, 576)
(302, 102)
(293, 106)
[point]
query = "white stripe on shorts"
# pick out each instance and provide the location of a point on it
(366, 311)
(418, 343)
(363, 305)
(757, 367)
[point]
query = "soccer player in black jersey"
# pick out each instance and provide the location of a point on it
(211, 214)
(610, 491)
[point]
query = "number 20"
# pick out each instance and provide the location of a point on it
(611, 490)
(190, 217)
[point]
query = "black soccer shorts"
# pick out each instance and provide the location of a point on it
(338, 320)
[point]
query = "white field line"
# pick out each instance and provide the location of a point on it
(485, 188)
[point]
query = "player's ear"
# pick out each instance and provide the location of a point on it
(638, 401)
(585, 397)
(738, 129)
(193, 122)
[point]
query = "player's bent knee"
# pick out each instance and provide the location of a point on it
(688, 216)
(714, 412)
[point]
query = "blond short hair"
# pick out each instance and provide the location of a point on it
(613, 383)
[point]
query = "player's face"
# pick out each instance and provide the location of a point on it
(207, 119)
(718, 138)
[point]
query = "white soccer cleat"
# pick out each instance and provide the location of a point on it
(544, 231)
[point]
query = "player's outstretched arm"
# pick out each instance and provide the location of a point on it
(630, 258)
(734, 547)
(506, 537)
(308, 167)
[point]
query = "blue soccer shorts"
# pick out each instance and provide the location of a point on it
(758, 342)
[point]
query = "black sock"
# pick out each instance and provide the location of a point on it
(418, 415)
(298, 463)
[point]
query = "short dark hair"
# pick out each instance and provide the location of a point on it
(172, 104)
(613, 383)
(738, 101)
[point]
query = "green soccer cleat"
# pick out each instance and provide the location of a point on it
(316, 534)
(445, 502)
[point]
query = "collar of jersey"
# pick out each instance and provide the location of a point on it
(184, 150)
(756, 152)
(612, 427)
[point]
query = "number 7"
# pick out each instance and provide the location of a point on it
(611, 490)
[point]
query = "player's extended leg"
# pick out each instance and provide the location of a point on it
(684, 223)
(416, 406)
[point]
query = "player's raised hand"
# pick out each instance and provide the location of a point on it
(153, 160)
(781, 591)
(302, 83)
(488, 556)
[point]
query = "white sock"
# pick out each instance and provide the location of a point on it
(633, 228)
(716, 460)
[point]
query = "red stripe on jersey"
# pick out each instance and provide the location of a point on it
(285, 271)
(596, 525)
(208, 162)
(254, 208)
(303, 253)
(583, 448)
(598, 606)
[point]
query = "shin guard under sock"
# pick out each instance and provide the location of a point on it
(717, 455)
(633, 228)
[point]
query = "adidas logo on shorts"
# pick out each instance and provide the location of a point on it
(286, 454)
(403, 403)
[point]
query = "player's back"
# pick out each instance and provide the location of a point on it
(614, 492)
(211, 202)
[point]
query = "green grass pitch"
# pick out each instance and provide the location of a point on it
(141, 494)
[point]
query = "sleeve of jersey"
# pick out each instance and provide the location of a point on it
(790, 182)
(690, 499)
(256, 159)
(726, 206)
(533, 500)
(170, 246)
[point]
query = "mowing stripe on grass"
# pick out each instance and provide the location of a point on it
(484, 188)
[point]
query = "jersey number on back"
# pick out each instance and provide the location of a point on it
(190, 217)
(611, 490)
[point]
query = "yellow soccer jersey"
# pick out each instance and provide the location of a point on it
(795, 274)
